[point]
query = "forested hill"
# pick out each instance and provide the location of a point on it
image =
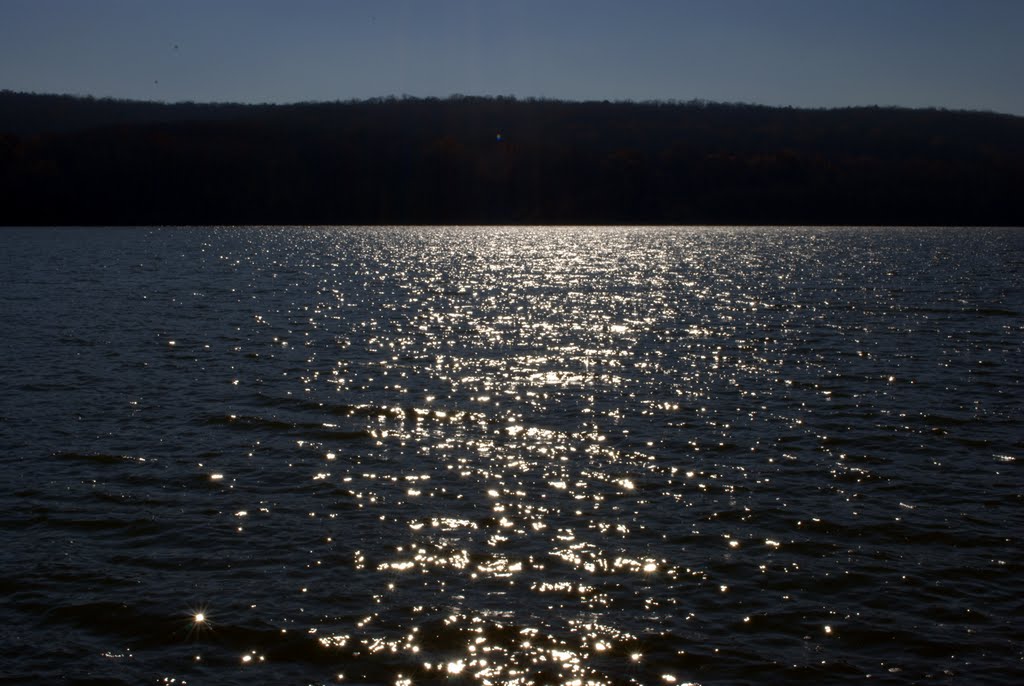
(66, 160)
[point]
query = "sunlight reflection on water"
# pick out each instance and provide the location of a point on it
(523, 455)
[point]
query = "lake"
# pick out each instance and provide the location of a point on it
(497, 455)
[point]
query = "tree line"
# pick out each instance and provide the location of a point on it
(500, 160)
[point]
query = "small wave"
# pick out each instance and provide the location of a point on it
(100, 458)
(308, 429)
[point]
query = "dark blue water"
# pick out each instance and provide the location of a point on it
(512, 456)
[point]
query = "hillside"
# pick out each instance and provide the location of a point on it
(66, 160)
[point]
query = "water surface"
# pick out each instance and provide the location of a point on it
(512, 455)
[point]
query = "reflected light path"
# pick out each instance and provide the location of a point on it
(544, 456)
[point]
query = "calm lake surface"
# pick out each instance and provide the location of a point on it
(512, 455)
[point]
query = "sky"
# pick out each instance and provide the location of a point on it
(956, 54)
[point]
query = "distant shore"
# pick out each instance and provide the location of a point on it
(471, 160)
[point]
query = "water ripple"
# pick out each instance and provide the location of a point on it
(497, 455)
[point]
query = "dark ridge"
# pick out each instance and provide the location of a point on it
(32, 113)
(472, 160)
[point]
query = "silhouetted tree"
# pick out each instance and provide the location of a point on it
(67, 160)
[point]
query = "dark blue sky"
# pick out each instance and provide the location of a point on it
(943, 53)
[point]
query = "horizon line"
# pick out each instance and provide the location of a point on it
(454, 97)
